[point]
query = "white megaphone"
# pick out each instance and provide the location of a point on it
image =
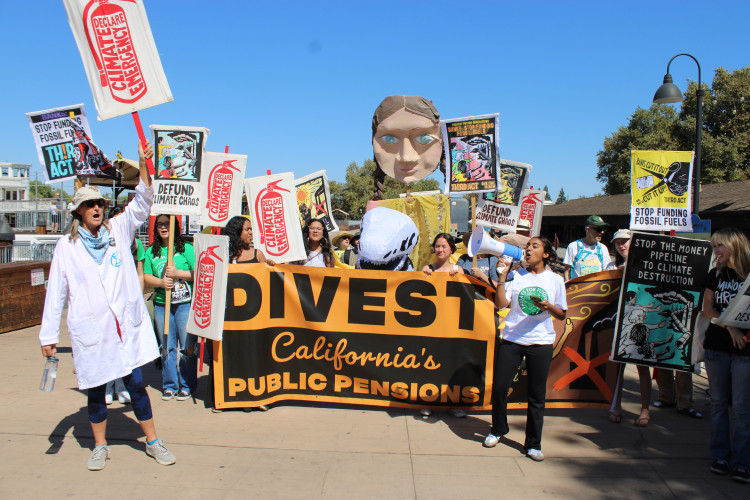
(481, 242)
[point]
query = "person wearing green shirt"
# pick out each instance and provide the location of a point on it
(179, 380)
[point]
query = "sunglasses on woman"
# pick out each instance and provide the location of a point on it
(93, 203)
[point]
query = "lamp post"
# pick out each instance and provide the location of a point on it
(670, 93)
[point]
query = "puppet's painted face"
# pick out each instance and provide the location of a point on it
(407, 146)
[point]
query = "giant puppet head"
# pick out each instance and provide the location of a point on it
(387, 239)
(406, 137)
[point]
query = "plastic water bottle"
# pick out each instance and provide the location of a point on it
(49, 375)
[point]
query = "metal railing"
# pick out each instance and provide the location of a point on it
(25, 251)
(26, 215)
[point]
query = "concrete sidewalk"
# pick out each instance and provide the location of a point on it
(328, 452)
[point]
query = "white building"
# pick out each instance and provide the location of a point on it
(14, 182)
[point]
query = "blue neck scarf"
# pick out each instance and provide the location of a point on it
(96, 245)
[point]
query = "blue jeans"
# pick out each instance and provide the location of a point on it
(186, 378)
(729, 375)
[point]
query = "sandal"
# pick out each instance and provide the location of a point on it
(642, 421)
(615, 418)
(690, 412)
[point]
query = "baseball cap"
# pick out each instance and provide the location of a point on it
(595, 220)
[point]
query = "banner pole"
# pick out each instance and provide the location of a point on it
(142, 138)
(473, 223)
(168, 292)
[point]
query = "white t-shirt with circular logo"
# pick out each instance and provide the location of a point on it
(526, 324)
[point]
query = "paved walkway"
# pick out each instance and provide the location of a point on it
(328, 452)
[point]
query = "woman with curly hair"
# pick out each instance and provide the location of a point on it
(728, 357)
(241, 251)
(178, 380)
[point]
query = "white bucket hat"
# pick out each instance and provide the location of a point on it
(622, 234)
(86, 193)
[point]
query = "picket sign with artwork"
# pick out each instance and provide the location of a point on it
(272, 201)
(532, 206)
(314, 200)
(501, 210)
(179, 153)
(472, 153)
(221, 188)
(660, 190)
(65, 148)
(206, 318)
(119, 54)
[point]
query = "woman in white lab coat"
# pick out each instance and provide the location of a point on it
(110, 331)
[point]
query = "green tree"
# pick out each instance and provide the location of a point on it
(38, 189)
(547, 196)
(352, 195)
(561, 198)
(725, 154)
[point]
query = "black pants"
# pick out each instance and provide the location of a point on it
(507, 359)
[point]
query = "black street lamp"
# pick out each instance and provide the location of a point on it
(669, 93)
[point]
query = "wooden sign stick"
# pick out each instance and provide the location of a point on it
(168, 294)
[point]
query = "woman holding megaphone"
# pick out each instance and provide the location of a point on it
(535, 295)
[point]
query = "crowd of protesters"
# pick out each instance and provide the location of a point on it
(527, 338)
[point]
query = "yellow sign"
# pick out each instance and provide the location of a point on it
(660, 187)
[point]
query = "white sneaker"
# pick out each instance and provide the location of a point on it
(457, 412)
(491, 440)
(426, 412)
(108, 398)
(535, 455)
(98, 458)
(160, 453)
(123, 397)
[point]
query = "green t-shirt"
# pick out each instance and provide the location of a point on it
(185, 261)
(140, 252)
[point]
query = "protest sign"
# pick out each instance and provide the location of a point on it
(275, 217)
(472, 147)
(221, 188)
(737, 312)
(206, 317)
(532, 206)
(660, 188)
(314, 200)
(54, 139)
(178, 152)
(497, 216)
(366, 337)
(661, 299)
(513, 178)
(119, 55)
(396, 339)
(503, 211)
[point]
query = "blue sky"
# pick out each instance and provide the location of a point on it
(293, 84)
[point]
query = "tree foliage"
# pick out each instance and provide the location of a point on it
(561, 198)
(725, 153)
(547, 196)
(352, 195)
(38, 189)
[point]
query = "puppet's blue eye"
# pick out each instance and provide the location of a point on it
(425, 139)
(389, 139)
